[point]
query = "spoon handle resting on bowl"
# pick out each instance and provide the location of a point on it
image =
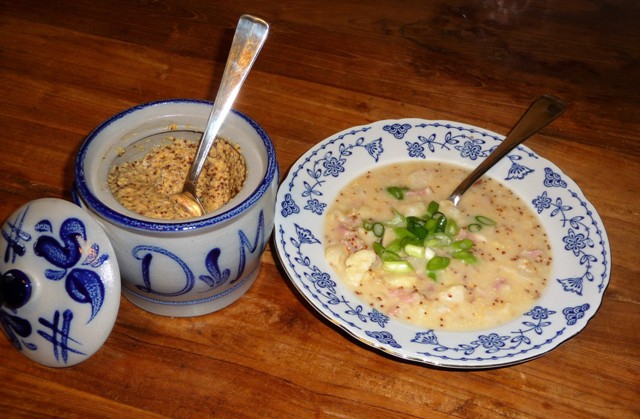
(541, 113)
(251, 33)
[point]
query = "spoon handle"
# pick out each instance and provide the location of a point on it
(541, 113)
(250, 35)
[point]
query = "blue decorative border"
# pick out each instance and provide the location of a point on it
(83, 190)
(584, 241)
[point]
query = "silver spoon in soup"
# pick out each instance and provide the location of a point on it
(541, 113)
(250, 35)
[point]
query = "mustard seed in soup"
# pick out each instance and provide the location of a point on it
(396, 240)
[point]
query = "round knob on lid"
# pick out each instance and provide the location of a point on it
(15, 289)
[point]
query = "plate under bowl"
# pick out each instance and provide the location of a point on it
(580, 247)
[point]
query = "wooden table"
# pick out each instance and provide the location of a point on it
(66, 66)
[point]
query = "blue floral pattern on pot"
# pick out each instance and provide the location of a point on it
(580, 246)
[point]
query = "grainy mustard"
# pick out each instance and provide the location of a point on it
(145, 186)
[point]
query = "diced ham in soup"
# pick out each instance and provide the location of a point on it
(513, 257)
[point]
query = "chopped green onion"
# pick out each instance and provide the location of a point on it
(414, 221)
(464, 244)
(474, 228)
(432, 208)
(416, 227)
(395, 246)
(429, 253)
(378, 229)
(465, 256)
(384, 253)
(388, 255)
(397, 266)
(431, 224)
(437, 263)
(398, 220)
(438, 240)
(414, 251)
(397, 192)
(416, 241)
(485, 220)
(441, 225)
(402, 232)
(419, 237)
(452, 228)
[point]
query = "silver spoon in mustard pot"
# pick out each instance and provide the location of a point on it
(248, 40)
(541, 113)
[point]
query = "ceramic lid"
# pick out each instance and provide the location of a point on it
(59, 283)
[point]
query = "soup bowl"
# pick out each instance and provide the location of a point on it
(183, 267)
(577, 238)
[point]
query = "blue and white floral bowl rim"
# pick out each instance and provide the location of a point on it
(581, 253)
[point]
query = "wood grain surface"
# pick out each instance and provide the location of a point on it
(67, 65)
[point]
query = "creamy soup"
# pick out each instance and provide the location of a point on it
(487, 262)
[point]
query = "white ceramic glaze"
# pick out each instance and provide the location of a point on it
(581, 254)
(60, 283)
(190, 267)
